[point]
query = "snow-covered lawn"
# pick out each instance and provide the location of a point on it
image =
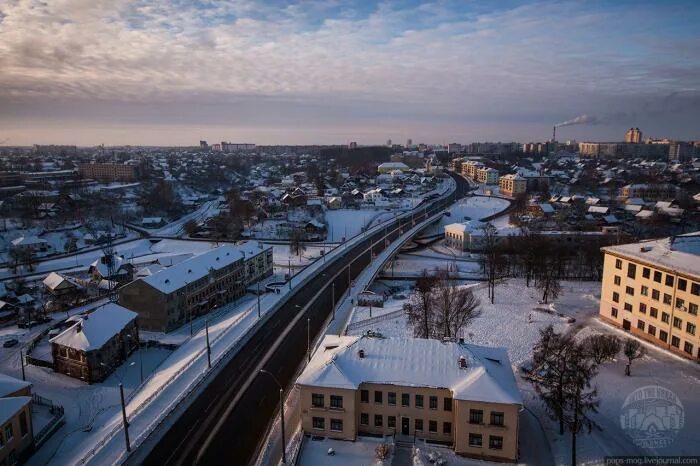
(469, 208)
(346, 223)
(358, 453)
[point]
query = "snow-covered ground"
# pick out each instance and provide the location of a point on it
(469, 208)
(358, 453)
(176, 228)
(347, 223)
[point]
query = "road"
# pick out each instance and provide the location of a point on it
(226, 423)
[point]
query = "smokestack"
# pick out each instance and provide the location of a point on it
(554, 133)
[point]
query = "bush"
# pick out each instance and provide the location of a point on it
(382, 451)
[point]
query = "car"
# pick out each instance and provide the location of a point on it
(10, 343)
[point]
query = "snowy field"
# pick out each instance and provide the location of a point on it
(469, 208)
(347, 223)
(358, 453)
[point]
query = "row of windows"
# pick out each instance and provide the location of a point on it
(336, 425)
(476, 416)
(690, 327)
(7, 434)
(658, 277)
(663, 336)
(406, 400)
(318, 401)
(495, 441)
(417, 423)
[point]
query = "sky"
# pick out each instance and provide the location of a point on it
(172, 72)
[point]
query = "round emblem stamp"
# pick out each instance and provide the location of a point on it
(652, 416)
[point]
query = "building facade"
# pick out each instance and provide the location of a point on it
(109, 171)
(512, 185)
(633, 135)
(652, 290)
(16, 428)
(173, 296)
(487, 175)
(439, 391)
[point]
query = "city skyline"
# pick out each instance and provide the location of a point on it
(172, 73)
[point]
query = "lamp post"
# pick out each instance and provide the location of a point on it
(284, 443)
(308, 338)
(333, 291)
(206, 330)
(258, 299)
(21, 361)
(124, 421)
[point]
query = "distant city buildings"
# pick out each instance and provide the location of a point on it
(633, 135)
(352, 145)
(228, 147)
(612, 150)
(109, 171)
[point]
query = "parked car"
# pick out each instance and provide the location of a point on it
(10, 343)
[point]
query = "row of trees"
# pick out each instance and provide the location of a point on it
(440, 309)
(563, 370)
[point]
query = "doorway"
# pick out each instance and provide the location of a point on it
(404, 425)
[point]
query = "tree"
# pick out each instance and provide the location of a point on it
(548, 281)
(455, 308)
(190, 227)
(601, 348)
(492, 259)
(296, 245)
(633, 349)
(419, 307)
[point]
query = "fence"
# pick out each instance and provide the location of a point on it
(56, 421)
(374, 320)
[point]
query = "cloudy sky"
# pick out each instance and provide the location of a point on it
(332, 71)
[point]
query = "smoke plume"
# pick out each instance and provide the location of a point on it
(579, 120)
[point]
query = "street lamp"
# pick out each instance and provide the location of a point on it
(284, 443)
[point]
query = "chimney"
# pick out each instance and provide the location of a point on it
(361, 354)
(462, 362)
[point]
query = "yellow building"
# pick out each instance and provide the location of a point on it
(512, 185)
(462, 395)
(16, 430)
(487, 175)
(652, 290)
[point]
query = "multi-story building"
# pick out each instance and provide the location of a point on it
(650, 191)
(456, 164)
(512, 185)
(633, 135)
(96, 343)
(652, 289)
(462, 395)
(109, 171)
(471, 168)
(16, 429)
(611, 150)
(173, 296)
(487, 175)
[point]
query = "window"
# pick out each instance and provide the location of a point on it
(640, 325)
(675, 341)
(695, 289)
(690, 328)
(693, 309)
(655, 295)
(447, 428)
(618, 264)
(336, 401)
(8, 433)
(628, 307)
(657, 276)
(433, 402)
(631, 270)
(364, 419)
(669, 280)
(23, 430)
(319, 423)
(613, 312)
(651, 330)
(419, 401)
(678, 323)
(391, 398)
(653, 312)
(688, 348)
(616, 297)
(419, 424)
(317, 400)
(680, 303)
(476, 416)
(644, 291)
(617, 280)
(432, 426)
(682, 284)
(495, 442)
(447, 404)
(667, 298)
(475, 440)
(665, 318)
(497, 418)
(663, 335)
(642, 308)
(377, 397)
(629, 290)
(337, 425)
(364, 396)
(378, 420)
(645, 272)
(391, 422)
(405, 399)
(2, 442)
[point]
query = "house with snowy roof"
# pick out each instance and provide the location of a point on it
(96, 343)
(448, 392)
(17, 433)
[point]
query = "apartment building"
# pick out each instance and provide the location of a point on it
(174, 295)
(470, 168)
(462, 395)
(512, 185)
(650, 191)
(457, 164)
(633, 135)
(109, 171)
(487, 175)
(652, 290)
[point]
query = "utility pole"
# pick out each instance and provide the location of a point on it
(290, 272)
(308, 338)
(124, 421)
(333, 295)
(206, 330)
(258, 299)
(21, 360)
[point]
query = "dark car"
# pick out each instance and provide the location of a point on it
(10, 343)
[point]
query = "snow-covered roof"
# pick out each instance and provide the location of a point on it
(11, 406)
(415, 362)
(93, 330)
(393, 166)
(9, 384)
(28, 241)
(175, 277)
(54, 280)
(547, 208)
(679, 253)
(596, 209)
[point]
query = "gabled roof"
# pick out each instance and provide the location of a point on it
(415, 362)
(9, 407)
(93, 330)
(54, 280)
(9, 384)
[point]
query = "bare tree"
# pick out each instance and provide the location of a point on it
(296, 245)
(419, 308)
(492, 259)
(548, 281)
(633, 349)
(455, 308)
(601, 348)
(580, 399)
